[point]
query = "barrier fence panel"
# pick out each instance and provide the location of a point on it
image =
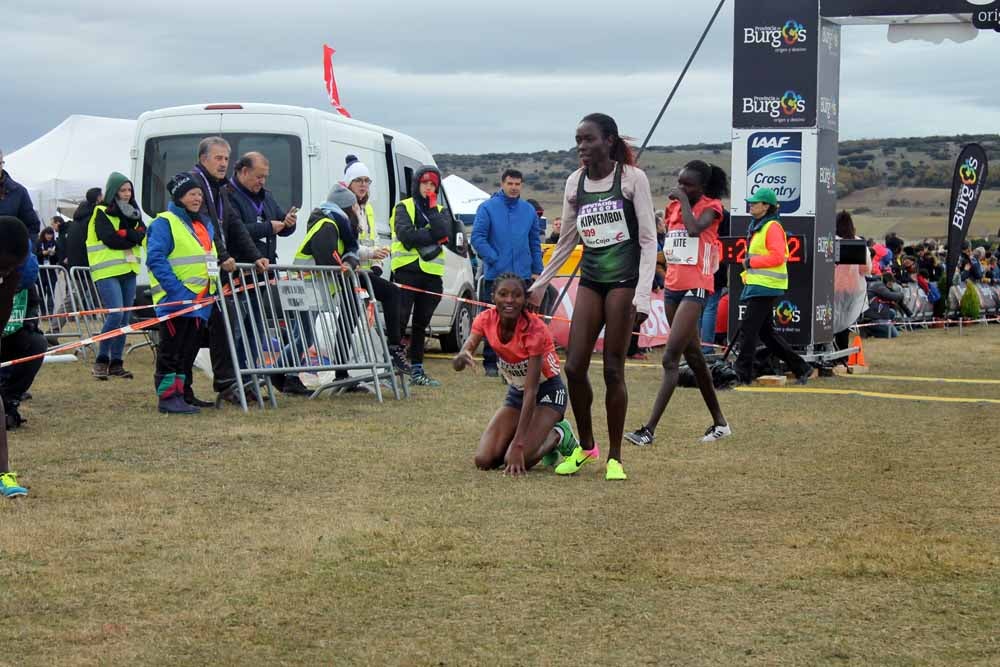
(57, 297)
(297, 319)
(89, 299)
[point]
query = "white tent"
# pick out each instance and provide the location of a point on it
(464, 197)
(59, 167)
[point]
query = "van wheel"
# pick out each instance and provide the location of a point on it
(461, 329)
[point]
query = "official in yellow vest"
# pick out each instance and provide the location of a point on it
(420, 229)
(765, 278)
(183, 266)
(115, 235)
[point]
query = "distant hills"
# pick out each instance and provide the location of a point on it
(868, 169)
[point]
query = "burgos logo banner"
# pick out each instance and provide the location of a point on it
(788, 108)
(774, 160)
(787, 38)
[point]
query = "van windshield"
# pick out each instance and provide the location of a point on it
(167, 156)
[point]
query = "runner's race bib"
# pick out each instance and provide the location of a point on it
(212, 262)
(513, 373)
(679, 248)
(602, 223)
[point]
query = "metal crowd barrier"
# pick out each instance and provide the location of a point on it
(56, 297)
(297, 319)
(89, 299)
(989, 299)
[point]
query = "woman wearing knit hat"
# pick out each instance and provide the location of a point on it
(114, 234)
(176, 238)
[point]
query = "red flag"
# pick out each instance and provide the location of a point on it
(331, 83)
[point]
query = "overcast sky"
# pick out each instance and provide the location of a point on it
(460, 76)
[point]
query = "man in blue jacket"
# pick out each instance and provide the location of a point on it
(507, 237)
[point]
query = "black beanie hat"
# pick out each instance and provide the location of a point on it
(93, 194)
(180, 185)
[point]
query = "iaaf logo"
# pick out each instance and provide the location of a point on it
(789, 104)
(782, 38)
(824, 314)
(774, 160)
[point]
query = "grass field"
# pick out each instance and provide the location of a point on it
(830, 530)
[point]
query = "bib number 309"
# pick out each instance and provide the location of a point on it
(602, 224)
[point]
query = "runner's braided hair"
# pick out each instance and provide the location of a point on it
(621, 151)
(714, 182)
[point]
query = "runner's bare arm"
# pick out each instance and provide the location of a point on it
(464, 358)
(694, 226)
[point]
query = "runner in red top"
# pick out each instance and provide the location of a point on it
(691, 248)
(529, 426)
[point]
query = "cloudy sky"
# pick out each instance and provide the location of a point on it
(460, 76)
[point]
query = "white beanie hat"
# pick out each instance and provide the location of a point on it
(355, 169)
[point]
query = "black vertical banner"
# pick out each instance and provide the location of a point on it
(971, 170)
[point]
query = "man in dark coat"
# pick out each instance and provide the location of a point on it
(256, 207)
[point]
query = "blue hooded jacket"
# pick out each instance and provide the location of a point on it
(159, 245)
(507, 237)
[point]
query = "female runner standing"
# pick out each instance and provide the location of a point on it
(608, 206)
(692, 250)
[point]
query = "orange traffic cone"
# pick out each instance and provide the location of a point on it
(859, 358)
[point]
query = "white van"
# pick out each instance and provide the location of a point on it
(306, 149)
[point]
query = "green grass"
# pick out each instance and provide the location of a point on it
(828, 530)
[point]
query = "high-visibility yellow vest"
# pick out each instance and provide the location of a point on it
(370, 216)
(188, 260)
(775, 277)
(401, 255)
(305, 259)
(106, 262)
(369, 240)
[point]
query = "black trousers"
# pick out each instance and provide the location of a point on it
(180, 340)
(757, 325)
(421, 305)
(15, 380)
(389, 296)
(223, 373)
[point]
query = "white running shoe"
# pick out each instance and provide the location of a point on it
(715, 432)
